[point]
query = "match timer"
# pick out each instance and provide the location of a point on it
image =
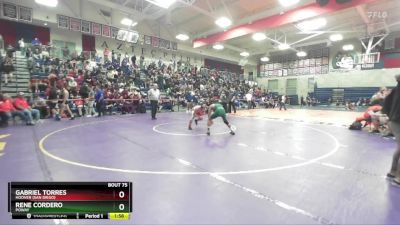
(70, 200)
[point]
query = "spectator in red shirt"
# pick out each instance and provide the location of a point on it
(31, 115)
(7, 110)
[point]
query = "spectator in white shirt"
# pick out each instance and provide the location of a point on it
(154, 96)
(282, 103)
(21, 45)
(249, 97)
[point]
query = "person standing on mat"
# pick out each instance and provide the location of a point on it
(282, 103)
(154, 96)
(99, 97)
(214, 111)
(232, 99)
(198, 112)
(391, 108)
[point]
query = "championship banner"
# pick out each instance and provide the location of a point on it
(114, 32)
(106, 31)
(86, 27)
(174, 46)
(63, 22)
(25, 14)
(147, 40)
(75, 24)
(10, 11)
(155, 42)
(96, 29)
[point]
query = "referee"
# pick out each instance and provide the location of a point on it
(154, 96)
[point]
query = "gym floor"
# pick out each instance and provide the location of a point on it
(293, 167)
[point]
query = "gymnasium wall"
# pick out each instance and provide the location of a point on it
(12, 31)
(338, 78)
(101, 43)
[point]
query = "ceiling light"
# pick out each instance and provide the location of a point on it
(348, 47)
(223, 22)
(182, 37)
(259, 36)
(313, 24)
(218, 47)
(128, 22)
(45, 24)
(49, 3)
(336, 37)
(283, 46)
(162, 3)
(264, 59)
(245, 54)
(287, 3)
(301, 54)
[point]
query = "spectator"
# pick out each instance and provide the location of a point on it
(31, 115)
(7, 110)
(224, 101)
(154, 96)
(232, 99)
(8, 68)
(90, 102)
(40, 104)
(282, 102)
(302, 102)
(378, 97)
(36, 42)
(10, 51)
(249, 98)
(100, 103)
(392, 109)
(21, 45)
(1, 64)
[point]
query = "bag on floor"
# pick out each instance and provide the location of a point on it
(142, 108)
(356, 126)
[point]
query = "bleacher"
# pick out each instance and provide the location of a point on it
(323, 94)
(353, 94)
(350, 94)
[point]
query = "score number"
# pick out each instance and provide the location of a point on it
(121, 194)
(121, 206)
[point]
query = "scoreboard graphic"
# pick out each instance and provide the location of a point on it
(70, 200)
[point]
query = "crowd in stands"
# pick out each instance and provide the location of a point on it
(89, 84)
(92, 85)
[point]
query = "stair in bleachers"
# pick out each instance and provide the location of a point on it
(21, 79)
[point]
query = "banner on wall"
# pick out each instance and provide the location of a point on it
(75, 24)
(96, 29)
(86, 27)
(344, 60)
(174, 46)
(155, 42)
(128, 36)
(106, 31)
(133, 37)
(147, 40)
(24, 14)
(114, 32)
(10, 11)
(63, 22)
(165, 44)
